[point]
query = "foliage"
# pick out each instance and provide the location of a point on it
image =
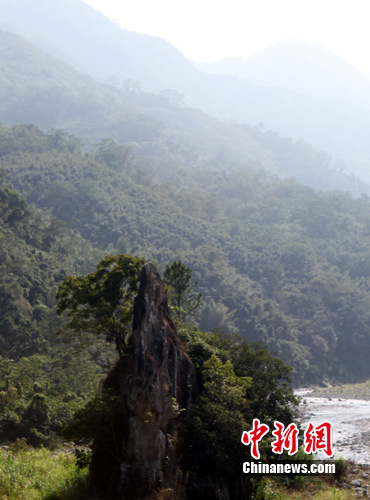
(237, 382)
(186, 304)
(27, 474)
(98, 426)
(218, 421)
(340, 468)
(102, 302)
(270, 397)
(226, 406)
(42, 381)
(276, 262)
(40, 395)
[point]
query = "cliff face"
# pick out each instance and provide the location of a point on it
(154, 386)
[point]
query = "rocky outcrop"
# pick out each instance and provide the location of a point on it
(153, 388)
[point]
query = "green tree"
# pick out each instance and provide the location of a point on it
(114, 155)
(270, 396)
(217, 423)
(102, 302)
(186, 303)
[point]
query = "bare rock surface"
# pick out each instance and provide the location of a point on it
(156, 385)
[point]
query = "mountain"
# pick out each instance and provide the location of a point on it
(327, 100)
(299, 67)
(87, 39)
(75, 32)
(40, 89)
(37, 88)
(276, 262)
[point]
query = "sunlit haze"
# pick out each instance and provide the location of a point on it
(208, 31)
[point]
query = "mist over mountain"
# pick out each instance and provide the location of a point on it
(180, 182)
(299, 90)
(112, 154)
(40, 89)
(88, 40)
(300, 67)
(327, 100)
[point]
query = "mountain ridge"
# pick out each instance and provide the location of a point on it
(298, 66)
(37, 88)
(104, 49)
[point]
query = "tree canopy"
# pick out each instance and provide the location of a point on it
(185, 302)
(102, 302)
(276, 262)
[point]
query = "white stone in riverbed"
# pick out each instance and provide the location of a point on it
(350, 419)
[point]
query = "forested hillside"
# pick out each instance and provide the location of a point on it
(276, 262)
(36, 88)
(106, 189)
(44, 379)
(144, 175)
(331, 112)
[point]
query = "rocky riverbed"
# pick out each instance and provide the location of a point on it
(350, 419)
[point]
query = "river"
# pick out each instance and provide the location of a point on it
(350, 420)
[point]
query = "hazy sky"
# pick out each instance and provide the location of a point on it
(207, 31)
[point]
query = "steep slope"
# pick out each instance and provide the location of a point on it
(32, 263)
(90, 41)
(277, 262)
(37, 88)
(43, 378)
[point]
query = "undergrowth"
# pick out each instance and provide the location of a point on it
(27, 474)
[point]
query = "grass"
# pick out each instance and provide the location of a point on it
(322, 491)
(28, 474)
(40, 475)
(316, 488)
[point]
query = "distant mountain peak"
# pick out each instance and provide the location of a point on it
(298, 50)
(284, 51)
(297, 66)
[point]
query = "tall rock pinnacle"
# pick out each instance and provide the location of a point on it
(155, 386)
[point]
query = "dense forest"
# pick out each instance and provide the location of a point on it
(272, 237)
(51, 376)
(276, 262)
(44, 380)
